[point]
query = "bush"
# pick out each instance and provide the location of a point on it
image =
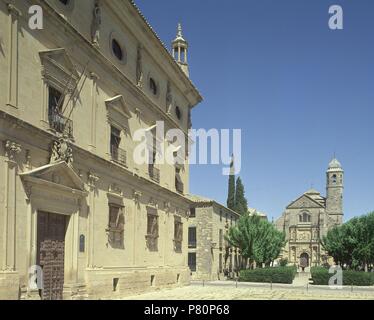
(274, 275)
(283, 262)
(321, 276)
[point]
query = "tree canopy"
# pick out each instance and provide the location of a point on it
(258, 240)
(352, 244)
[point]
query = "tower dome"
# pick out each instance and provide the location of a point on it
(335, 165)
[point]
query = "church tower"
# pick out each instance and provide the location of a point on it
(179, 50)
(334, 191)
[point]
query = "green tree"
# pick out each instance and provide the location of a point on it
(231, 191)
(257, 239)
(352, 244)
(241, 205)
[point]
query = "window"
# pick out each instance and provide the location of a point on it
(65, 2)
(178, 234)
(221, 239)
(118, 155)
(178, 113)
(220, 215)
(192, 261)
(116, 226)
(115, 141)
(192, 241)
(55, 112)
(153, 86)
(334, 178)
(192, 212)
(154, 173)
(304, 217)
(152, 229)
(117, 50)
(227, 219)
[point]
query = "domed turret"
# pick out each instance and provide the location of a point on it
(179, 47)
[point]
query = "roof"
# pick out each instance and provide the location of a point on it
(206, 201)
(132, 2)
(335, 165)
(316, 196)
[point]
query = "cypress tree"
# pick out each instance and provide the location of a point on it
(241, 205)
(231, 191)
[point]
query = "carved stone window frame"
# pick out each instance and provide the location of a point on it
(61, 76)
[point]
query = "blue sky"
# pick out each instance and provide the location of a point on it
(298, 90)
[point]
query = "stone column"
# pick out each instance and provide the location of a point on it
(9, 239)
(92, 183)
(14, 14)
(94, 78)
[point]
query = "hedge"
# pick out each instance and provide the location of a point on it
(321, 276)
(274, 275)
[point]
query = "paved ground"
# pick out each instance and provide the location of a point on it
(230, 290)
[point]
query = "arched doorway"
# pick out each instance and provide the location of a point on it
(304, 260)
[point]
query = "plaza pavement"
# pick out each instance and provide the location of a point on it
(300, 289)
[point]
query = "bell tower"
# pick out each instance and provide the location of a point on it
(334, 191)
(179, 51)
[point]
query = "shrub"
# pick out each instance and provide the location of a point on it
(283, 262)
(321, 276)
(274, 275)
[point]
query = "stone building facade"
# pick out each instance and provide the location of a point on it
(209, 255)
(74, 204)
(307, 219)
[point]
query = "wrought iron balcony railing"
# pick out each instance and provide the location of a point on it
(118, 155)
(154, 173)
(60, 123)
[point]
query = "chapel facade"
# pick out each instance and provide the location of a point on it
(308, 218)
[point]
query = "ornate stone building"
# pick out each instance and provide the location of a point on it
(307, 219)
(74, 205)
(209, 255)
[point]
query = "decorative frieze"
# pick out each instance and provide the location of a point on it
(12, 149)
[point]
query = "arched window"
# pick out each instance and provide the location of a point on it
(334, 178)
(304, 217)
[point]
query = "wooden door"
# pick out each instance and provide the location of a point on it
(51, 253)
